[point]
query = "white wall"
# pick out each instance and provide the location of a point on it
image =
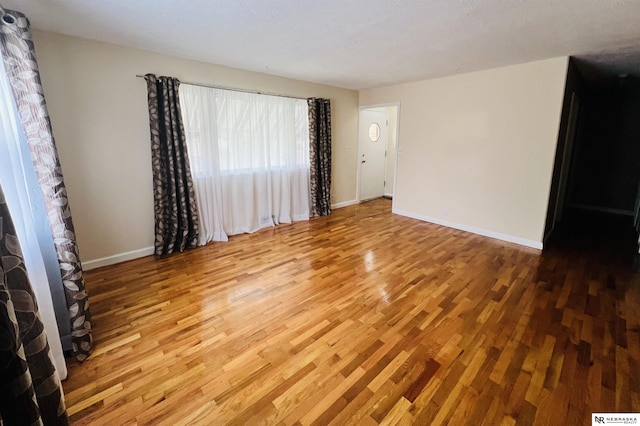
(100, 121)
(478, 148)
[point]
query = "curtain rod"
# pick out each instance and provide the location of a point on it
(234, 89)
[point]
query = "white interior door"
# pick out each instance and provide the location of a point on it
(373, 136)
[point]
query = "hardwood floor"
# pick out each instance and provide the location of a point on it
(362, 317)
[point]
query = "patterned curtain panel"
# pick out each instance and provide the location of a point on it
(22, 70)
(176, 215)
(320, 155)
(30, 391)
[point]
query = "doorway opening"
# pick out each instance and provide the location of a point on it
(377, 147)
(595, 198)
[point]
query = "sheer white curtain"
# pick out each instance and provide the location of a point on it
(23, 205)
(249, 158)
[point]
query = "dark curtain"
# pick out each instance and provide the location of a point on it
(20, 62)
(30, 389)
(320, 155)
(176, 215)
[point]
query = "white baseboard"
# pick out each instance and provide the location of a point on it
(344, 204)
(116, 258)
(147, 251)
(484, 232)
(621, 212)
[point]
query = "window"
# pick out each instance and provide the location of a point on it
(250, 133)
(249, 158)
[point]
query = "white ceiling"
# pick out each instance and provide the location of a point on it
(356, 44)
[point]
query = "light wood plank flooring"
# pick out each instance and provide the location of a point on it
(362, 317)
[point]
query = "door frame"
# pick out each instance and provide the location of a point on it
(567, 156)
(564, 166)
(361, 149)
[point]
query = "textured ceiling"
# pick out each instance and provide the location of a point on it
(357, 44)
